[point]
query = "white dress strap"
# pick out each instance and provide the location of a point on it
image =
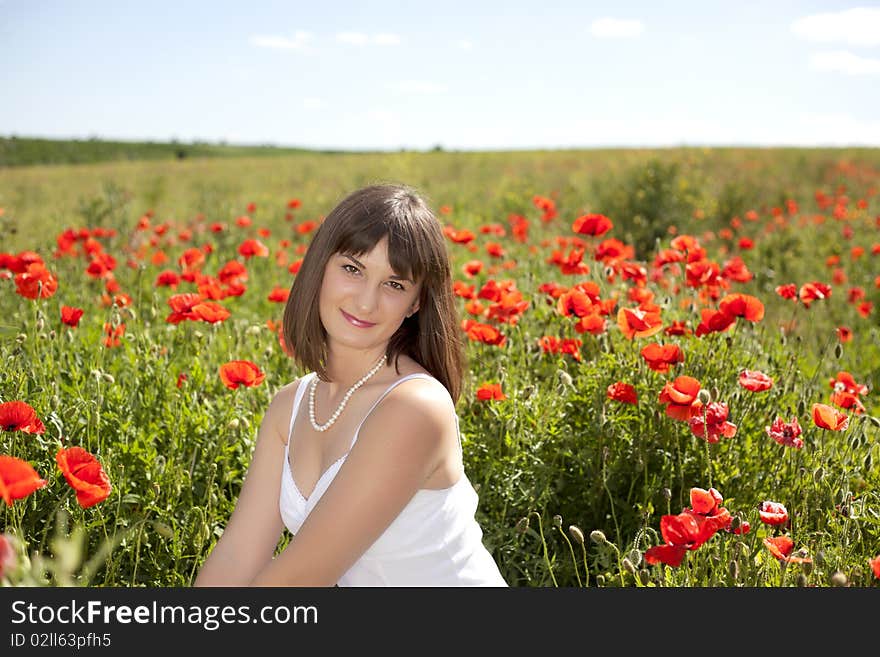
(389, 389)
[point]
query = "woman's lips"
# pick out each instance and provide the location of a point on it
(354, 321)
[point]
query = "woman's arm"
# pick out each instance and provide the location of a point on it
(399, 445)
(252, 533)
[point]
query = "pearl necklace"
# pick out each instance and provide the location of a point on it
(349, 393)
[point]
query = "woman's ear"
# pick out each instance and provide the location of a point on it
(413, 309)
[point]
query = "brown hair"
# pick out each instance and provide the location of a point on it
(416, 248)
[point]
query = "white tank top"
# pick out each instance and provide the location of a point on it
(434, 541)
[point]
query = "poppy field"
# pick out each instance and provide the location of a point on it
(673, 358)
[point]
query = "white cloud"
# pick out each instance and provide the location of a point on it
(418, 87)
(386, 40)
(615, 28)
(300, 41)
(361, 39)
(840, 61)
(464, 44)
(313, 103)
(855, 27)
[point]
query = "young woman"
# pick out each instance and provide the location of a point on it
(361, 458)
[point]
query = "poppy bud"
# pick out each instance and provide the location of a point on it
(600, 580)
(868, 462)
(838, 350)
(801, 407)
(735, 523)
(108, 377)
(576, 533)
(820, 558)
(522, 525)
(557, 521)
(801, 580)
(565, 378)
(742, 549)
(598, 537)
(635, 555)
(645, 576)
(629, 567)
(52, 334)
(818, 473)
(733, 569)
(40, 324)
(667, 494)
(253, 330)
(162, 529)
(233, 423)
(21, 337)
(527, 391)
(838, 579)
(807, 566)
(704, 396)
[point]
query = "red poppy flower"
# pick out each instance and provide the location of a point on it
(592, 224)
(20, 416)
(680, 397)
(251, 247)
(112, 336)
(713, 321)
(844, 334)
(705, 502)
(17, 479)
(828, 417)
(786, 433)
(875, 566)
(490, 391)
(781, 547)
(71, 316)
(208, 311)
(36, 281)
(638, 323)
(715, 423)
(742, 305)
(660, 357)
(773, 513)
(755, 381)
(622, 392)
(789, 291)
(483, 333)
(814, 291)
(84, 474)
(237, 373)
(192, 259)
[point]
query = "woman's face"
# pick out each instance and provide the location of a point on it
(363, 301)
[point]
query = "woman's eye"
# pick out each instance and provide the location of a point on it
(398, 286)
(352, 270)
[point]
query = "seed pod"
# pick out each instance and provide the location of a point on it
(635, 556)
(838, 579)
(598, 537)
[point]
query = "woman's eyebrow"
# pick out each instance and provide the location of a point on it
(363, 266)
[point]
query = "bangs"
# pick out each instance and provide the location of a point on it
(407, 255)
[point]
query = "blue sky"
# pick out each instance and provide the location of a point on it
(464, 75)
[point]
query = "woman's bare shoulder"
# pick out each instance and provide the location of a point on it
(280, 410)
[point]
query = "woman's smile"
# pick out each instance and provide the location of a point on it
(354, 321)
